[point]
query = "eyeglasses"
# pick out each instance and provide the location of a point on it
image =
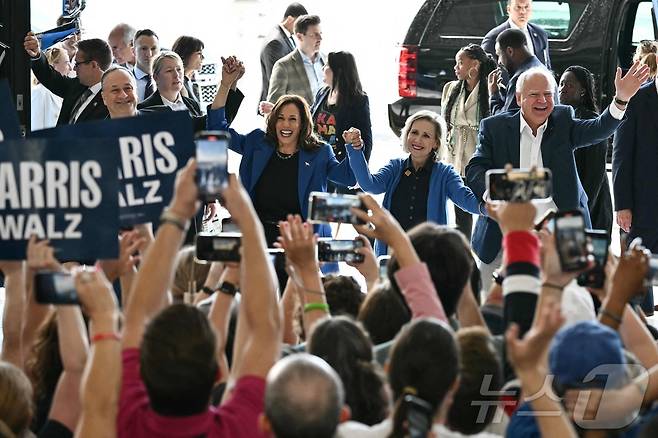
(78, 63)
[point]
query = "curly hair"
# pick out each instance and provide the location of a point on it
(487, 65)
(344, 294)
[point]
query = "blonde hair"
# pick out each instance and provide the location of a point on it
(167, 54)
(652, 61)
(16, 407)
(440, 129)
(645, 47)
(54, 54)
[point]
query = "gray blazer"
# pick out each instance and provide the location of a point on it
(276, 46)
(289, 77)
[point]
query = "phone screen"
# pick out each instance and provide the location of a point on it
(383, 265)
(55, 288)
(223, 247)
(212, 162)
(518, 185)
(329, 208)
(339, 251)
(571, 241)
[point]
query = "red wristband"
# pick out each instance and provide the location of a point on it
(105, 337)
(521, 246)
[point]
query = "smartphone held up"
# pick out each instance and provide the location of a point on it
(519, 185)
(212, 163)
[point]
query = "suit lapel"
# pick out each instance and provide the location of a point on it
(652, 99)
(262, 156)
(286, 38)
(306, 167)
(91, 108)
(546, 149)
(301, 71)
(514, 145)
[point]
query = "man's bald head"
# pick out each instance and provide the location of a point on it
(304, 397)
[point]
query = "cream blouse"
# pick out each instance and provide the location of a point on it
(463, 129)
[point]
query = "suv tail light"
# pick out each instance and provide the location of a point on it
(408, 70)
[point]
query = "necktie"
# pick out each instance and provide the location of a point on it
(82, 99)
(149, 88)
(292, 40)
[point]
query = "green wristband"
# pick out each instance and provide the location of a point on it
(316, 306)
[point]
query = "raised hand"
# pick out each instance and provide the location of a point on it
(265, 107)
(299, 242)
(231, 71)
(129, 243)
(527, 354)
(353, 136)
(627, 86)
(41, 256)
(625, 219)
(380, 224)
(237, 201)
(95, 293)
(184, 202)
(513, 216)
(369, 267)
(628, 280)
(492, 81)
(31, 45)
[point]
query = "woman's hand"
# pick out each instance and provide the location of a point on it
(265, 107)
(353, 136)
(299, 242)
(368, 267)
(41, 256)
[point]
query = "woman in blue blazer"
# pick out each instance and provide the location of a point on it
(281, 166)
(416, 188)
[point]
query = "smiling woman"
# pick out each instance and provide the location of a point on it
(281, 166)
(417, 188)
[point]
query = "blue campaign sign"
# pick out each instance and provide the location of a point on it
(61, 190)
(9, 127)
(152, 148)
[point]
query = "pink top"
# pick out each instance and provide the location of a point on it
(419, 292)
(237, 417)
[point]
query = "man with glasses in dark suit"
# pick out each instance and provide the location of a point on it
(82, 97)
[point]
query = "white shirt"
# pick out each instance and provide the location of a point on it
(94, 91)
(142, 80)
(525, 31)
(179, 105)
(352, 429)
(530, 151)
(45, 108)
(313, 71)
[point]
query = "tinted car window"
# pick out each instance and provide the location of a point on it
(558, 18)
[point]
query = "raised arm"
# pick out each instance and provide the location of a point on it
(528, 356)
(299, 242)
(259, 312)
(157, 270)
(73, 348)
(413, 277)
(220, 313)
(461, 194)
(102, 374)
(376, 183)
(12, 318)
(47, 75)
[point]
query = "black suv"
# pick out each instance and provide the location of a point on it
(597, 34)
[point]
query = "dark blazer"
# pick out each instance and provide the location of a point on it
(505, 100)
(233, 101)
(276, 46)
(498, 144)
(537, 35)
(635, 159)
(69, 89)
(315, 167)
(590, 163)
(356, 114)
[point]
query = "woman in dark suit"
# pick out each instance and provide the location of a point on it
(576, 89)
(283, 164)
(339, 105)
(168, 76)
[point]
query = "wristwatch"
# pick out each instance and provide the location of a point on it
(208, 291)
(228, 288)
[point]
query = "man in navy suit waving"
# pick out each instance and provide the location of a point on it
(541, 134)
(519, 12)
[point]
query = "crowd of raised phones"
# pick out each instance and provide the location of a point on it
(507, 327)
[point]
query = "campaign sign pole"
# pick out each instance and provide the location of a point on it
(9, 128)
(152, 149)
(61, 190)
